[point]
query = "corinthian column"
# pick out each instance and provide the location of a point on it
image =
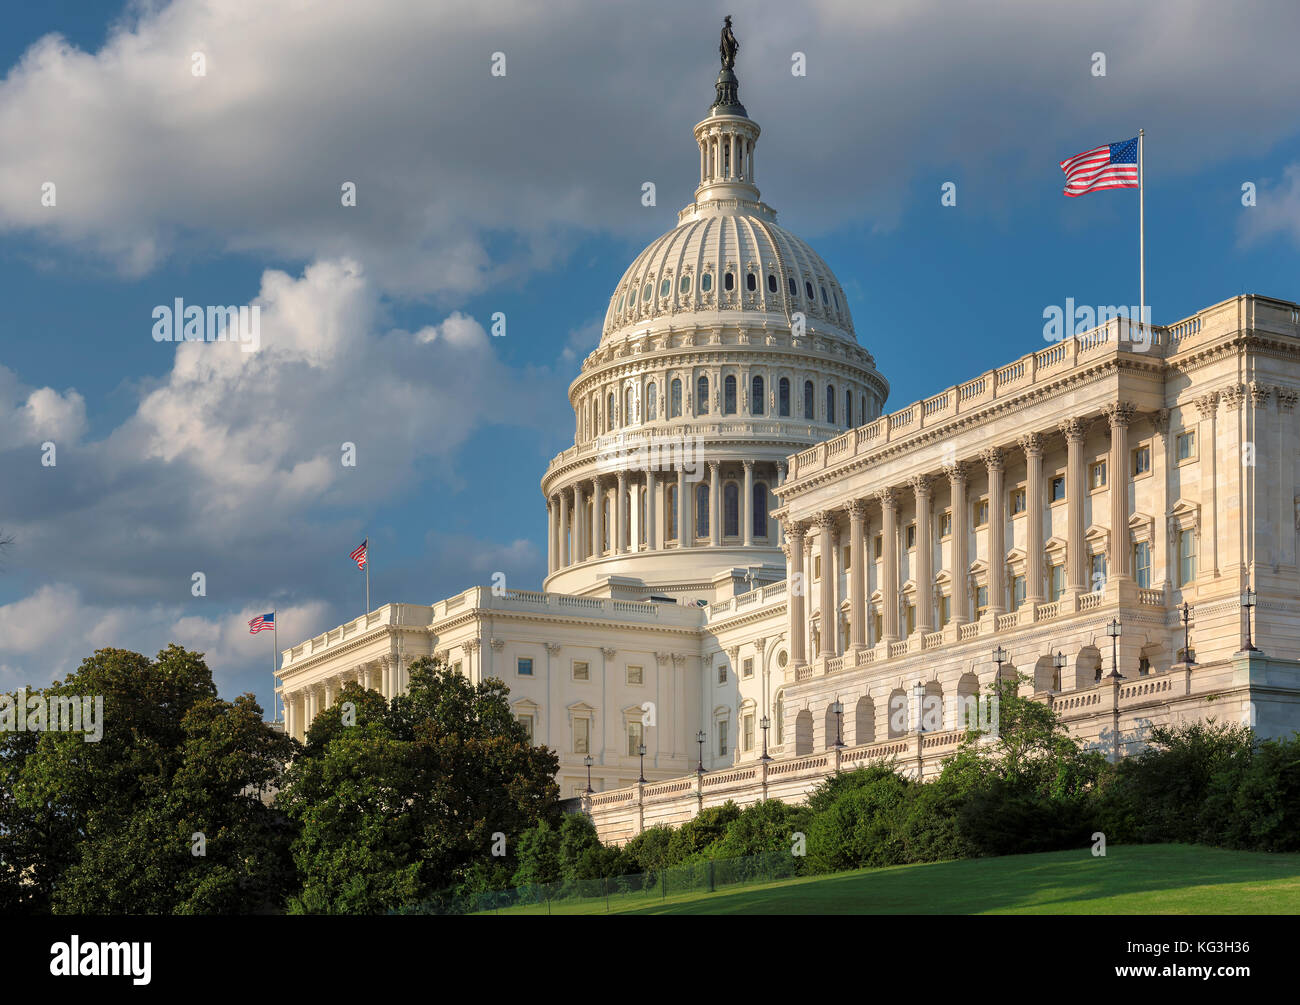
(826, 525)
(992, 459)
(620, 515)
(857, 575)
(1032, 444)
(1120, 415)
(597, 519)
(960, 561)
(563, 558)
(889, 564)
(1207, 452)
(747, 505)
(715, 504)
(921, 487)
(796, 588)
(1076, 575)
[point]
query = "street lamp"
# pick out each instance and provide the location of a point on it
(641, 750)
(763, 724)
(1000, 656)
(1248, 601)
(588, 762)
(1187, 642)
(838, 708)
(1113, 630)
(699, 738)
(1059, 664)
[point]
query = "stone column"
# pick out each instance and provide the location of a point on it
(329, 692)
(922, 487)
(652, 510)
(620, 515)
(960, 561)
(550, 535)
(808, 581)
(747, 505)
(715, 503)
(1120, 565)
(1032, 444)
(685, 532)
(796, 588)
(1207, 448)
(857, 575)
(889, 566)
(575, 545)
(288, 714)
(563, 556)
(836, 598)
(1076, 487)
(1160, 551)
(826, 525)
(780, 480)
(597, 519)
(992, 459)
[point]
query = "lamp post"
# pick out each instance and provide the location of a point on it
(1248, 601)
(588, 762)
(1059, 666)
(1000, 656)
(1113, 630)
(1187, 642)
(699, 738)
(918, 695)
(641, 750)
(837, 707)
(764, 723)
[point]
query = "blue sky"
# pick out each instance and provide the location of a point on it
(522, 195)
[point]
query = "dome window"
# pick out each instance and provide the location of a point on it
(666, 287)
(783, 397)
(824, 300)
(685, 285)
(794, 288)
(771, 283)
(835, 297)
(702, 396)
(619, 310)
(808, 289)
(706, 282)
(751, 282)
(645, 294)
(729, 395)
(729, 282)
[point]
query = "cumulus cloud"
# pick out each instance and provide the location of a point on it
(31, 416)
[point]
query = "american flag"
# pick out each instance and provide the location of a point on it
(261, 623)
(359, 556)
(1114, 165)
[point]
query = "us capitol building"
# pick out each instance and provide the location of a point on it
(741, 537)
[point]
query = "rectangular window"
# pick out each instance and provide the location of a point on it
(1097, 475)
(1186, 557)
(945, 609)
(817, 568)
(877, 624)
(634, 737)
(847, 558)
(581, 670)
(747, 668)
(527, 722)
(1141, 461)
(911, 618)
(1057, 582)
(747, 736)
(1098, 573)
(910, 534)
(524, 666)
(635, 675)
(878, 544)
(722, 737)
(945, 524)
(981, 600)
(1017, 592)
(1058, 488)
(1018, 503)
(981, 513)
(455, 667)
(1185, 445)
(722, 674)
(1142, 564)
(581, 736)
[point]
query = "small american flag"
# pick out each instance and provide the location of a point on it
(261, 623)
(359, 556)
(1114, 165)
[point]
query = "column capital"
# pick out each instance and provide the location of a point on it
(1032, 444)
(661, 658)
(749, 465)
(885, 497)
(553, 648)
(1160, 419)
(1119, 413)
(1259, 394)
(760, 644)
(1232, 396)
(825, 520)
(609, 654)
(498, 645)
(796, 529)
(856, 509)
(992, 458)
(1073, 428)
(1287, 397)
(956, 472)
(921, 485)
(1208, 404)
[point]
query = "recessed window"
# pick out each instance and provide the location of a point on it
(722, 737)
(981, 601)
(824, 300)
(1017, 592)
(527, 722)
(729, 395)
(684, 284)
(807, 286)
(1141, 461)
(619, 309)
(878, 544)
(728, 282)
(794, 288)
(706, 282)
(1142, 564)
(981, 513)
(1055, 582)
(757, 396)
(581, 670)
(836, 299)
(636, 675)
(675, 398)
(524, 666)
(771, 283)
(910, 535)
(945, 524)
(910, 620)
(1098, 573)
(1058, 488)
(1097, 475)
(945, 609)
(1018, 503)
(702, 395)
(722, 674)
(1185, 445)
(666, 287)
(645, 295)
(635, 734)
(783, 397)
(747, 668)
(1186, 557)
(751, 282)
(747, 735)
(581, 736)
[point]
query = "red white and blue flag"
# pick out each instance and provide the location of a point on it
(1114, 165)
(261, 623)
(359, 555)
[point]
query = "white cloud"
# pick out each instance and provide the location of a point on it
(1276, 209)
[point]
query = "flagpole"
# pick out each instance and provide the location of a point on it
(367, 573)
(275, 667)
(1142, 234)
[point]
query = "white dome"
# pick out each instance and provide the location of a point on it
(687, 271)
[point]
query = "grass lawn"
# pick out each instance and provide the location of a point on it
(1136, 879)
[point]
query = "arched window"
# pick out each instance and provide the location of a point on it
(731, 510)
(729, 395)
(605, 533)
(706, 282)
(702, 396)
(619, 308)
(756, 396)
(771, 283)
(848, 408)
(864, 721)
(830, 403)
(751, 282)
(641, 511)
(629, 412)
(862, 410)
(760, 509)
(783, 396)
(609, 412)
(702, 509)
(684, 285)
(824, 300)
(651, 402)
(675, 399)
(671, 520)
(649, 288)
(794, 289)
(778, 717)
(808, 399)
(807, 286)
(729, 282)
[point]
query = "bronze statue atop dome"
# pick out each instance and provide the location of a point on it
(728, 46)
(728, 87)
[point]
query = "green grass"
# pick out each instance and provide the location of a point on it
(1135, 879)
